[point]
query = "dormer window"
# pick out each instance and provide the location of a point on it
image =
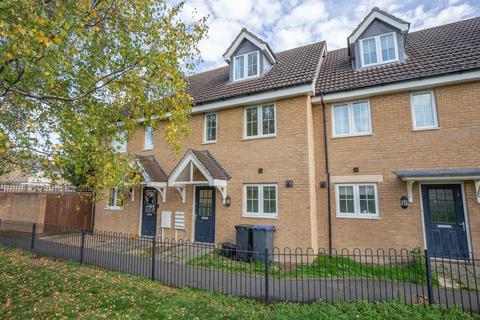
(379, 49)
(378, 39)
(248, 57)
(246, 66)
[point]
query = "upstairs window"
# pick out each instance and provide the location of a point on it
(379, 49)
(148, 143)
(210, 127)
(119, 144)
(388, 47)
(260, 121)
(424, 111)
(369, 51)
(351, 119)
(246, 66)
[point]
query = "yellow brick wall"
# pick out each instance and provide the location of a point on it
(283, 157)
(392, 146)
(28, 207)
(395, 146)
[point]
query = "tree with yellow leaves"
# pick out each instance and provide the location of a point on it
(74, 74)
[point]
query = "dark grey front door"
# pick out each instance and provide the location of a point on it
(445, 220)
(205, 214)
(149, 215)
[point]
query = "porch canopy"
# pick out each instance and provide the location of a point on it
(461, 174)
(153, 174)
(199, 167)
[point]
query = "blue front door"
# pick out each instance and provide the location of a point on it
(149, 214)
(445, 221)
(205, 214)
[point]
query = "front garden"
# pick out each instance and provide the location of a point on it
(36, 287)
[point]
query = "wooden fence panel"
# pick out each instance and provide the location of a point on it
(70, 209)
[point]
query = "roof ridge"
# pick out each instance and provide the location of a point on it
(422, 30)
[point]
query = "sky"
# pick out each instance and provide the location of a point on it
(287, 24)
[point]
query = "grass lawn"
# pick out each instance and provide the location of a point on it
(321, 267)
(40, 288)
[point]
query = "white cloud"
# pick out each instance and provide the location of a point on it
(305, 14)
(221, 34)
(291, 37)
(290, 23)
(421, 18)
(335, 32)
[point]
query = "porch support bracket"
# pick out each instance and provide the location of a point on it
(181, 191)
(131, 193)
(477, 190)
(410, 190)
(163, 192)
(223, 191)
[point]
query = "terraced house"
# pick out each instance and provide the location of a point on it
(373, 145)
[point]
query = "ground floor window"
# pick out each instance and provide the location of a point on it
(261, 200)
(115, 201)
(357, 200)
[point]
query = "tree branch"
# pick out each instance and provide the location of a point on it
(106, 79)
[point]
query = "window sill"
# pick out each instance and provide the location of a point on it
(353, 135)
(147, 149)
(362, 217)
(246, 78)
(260, 137)
(114, 208)
(259, 216)
(425, 129)
(382, 63)
(209, 142)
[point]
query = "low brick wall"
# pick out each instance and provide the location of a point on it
(18, 206)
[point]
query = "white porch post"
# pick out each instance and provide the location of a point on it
(410, 190)
(477, 190)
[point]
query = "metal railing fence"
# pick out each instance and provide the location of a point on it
(411, 276)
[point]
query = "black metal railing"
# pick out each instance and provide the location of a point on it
(411, 276)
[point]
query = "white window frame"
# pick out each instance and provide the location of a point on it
(120, 148)
(259, 134)
(435, 112)
(260, 213)
(351, 121)
(205, 126)
(245, 65)
(145, 145)
(115, 200)
(378, 49)
(356, 201)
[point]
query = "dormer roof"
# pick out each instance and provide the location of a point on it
(381, 15)
(245, 34)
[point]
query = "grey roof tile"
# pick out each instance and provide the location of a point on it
(450, 48)
(152, 168)
(211, 164)
(294, 67)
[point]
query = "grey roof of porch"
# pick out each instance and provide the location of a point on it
(454, 172)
